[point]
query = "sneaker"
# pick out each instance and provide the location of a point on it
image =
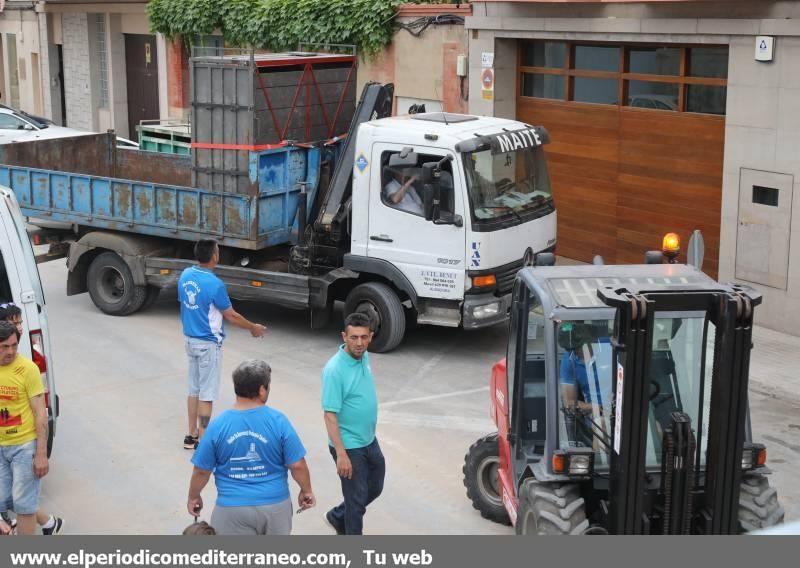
(190, 442)
(332, 522)
(55, 529)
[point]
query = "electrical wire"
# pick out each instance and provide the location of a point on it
(416, 27)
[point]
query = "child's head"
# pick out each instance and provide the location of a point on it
(10, 312)
(201, 528)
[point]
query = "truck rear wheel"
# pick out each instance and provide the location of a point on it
(758, 504)
(480, 469)
(111, 286)
(550, 509)
(382, 305)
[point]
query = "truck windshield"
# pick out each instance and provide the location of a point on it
(681, 359)
(509, 186)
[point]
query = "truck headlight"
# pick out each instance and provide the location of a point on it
(486, 311)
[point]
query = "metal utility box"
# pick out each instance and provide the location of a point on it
(244, 102)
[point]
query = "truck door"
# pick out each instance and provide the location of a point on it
(430, 255)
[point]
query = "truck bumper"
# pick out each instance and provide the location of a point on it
(485, 310)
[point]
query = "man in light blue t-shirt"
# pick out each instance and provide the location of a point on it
(250, 449)
(204, 304)
(350, 406)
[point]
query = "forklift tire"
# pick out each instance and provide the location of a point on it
(111, 287)
(550, 509)
(480, 478)
(758, 504)
(382, 305)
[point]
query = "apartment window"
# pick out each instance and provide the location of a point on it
(663, 78)
(102, 57)
(13, 70)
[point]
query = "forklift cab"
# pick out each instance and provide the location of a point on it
(604, 404)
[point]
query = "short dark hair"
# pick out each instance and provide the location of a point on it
(200, 528)
(359, 319)
(9, 310)
(7, 329)
(204, 250)
(250, 376)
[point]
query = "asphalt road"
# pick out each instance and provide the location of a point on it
(118, 465)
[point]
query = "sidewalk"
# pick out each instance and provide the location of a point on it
(775, 364)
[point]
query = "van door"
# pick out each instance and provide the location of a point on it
(431, 256)
(25, 290)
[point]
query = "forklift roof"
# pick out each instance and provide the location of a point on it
(576, 286)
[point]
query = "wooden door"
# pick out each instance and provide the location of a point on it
(141, 64)
(623, 177)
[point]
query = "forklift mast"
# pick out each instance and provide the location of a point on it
(730, 310)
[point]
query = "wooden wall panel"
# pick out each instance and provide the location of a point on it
(622, 177)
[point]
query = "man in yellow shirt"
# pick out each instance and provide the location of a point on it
(23, 431)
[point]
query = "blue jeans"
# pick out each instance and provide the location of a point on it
(365, 485)
(19, 487)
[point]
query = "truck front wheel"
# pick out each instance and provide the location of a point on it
(382, 305)
(111, 286)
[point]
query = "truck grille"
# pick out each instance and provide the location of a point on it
(505, 276)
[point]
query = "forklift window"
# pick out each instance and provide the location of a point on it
(402, 185)
(584, 378)
(678, 379)
(533, 396)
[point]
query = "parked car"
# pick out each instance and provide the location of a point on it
(19, 126)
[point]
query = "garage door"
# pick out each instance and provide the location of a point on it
(637, 142)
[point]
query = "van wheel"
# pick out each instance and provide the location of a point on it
(50, 437)
(381, 304)
(111, 287)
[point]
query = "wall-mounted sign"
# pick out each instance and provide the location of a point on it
(765, 48)
(487, 59)
(487, 83)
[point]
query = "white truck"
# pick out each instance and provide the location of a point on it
(477, 207)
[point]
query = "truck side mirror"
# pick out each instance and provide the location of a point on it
(430, 190)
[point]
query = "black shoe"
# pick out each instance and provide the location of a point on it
(332, 522)
(190, 442)
(55, 529)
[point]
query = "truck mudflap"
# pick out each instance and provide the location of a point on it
(282, 289)
(484, 310)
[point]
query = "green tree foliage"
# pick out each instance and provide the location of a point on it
(280, 25)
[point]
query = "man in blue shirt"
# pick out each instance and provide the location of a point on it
(350, 406)
(204, 304)
(250, 449)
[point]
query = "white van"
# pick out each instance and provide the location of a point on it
(20, 284)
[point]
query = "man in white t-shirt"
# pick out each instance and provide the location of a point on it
(403, 196)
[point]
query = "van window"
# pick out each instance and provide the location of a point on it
(27, 251)
(5, 286)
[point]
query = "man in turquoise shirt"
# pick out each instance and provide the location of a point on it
(350, 406)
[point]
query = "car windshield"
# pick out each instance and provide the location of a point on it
(676, 382)
(37, 121)
(507, 184)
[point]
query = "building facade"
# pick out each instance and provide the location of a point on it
(90, 65)
(664, 116)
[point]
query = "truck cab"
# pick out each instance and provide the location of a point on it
(476, 206)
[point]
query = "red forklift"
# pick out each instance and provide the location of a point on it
(622, 406)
